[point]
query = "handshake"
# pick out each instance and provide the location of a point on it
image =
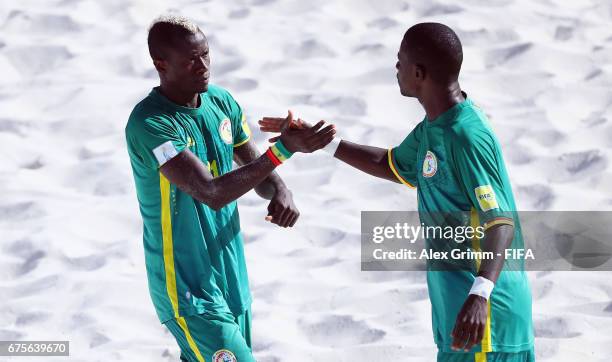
(297, 135)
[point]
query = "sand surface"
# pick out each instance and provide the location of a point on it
(72, 264)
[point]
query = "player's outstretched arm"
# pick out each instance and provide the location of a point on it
(369, 159)
(187, 172)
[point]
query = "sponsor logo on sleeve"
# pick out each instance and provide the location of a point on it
(164, 152)
(486, 197)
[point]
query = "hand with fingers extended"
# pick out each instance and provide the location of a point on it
(298, 136)
(470, 323)
(279, 124)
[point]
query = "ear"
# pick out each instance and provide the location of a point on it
(160, 65)
(419, 72)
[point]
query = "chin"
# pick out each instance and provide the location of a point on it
(403, 90)
(407, 93)
(202, 88)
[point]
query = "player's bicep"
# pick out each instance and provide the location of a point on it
(189, 174)
(246, 153)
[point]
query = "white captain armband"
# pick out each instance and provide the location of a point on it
(164, 152)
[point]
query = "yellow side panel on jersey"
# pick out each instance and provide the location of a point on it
(194, 347)
(166, 224)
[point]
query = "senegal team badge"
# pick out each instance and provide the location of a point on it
(223, 355)
(430, 164)
(225, 131)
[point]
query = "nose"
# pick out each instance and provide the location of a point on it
(397, 65)
(202, 65)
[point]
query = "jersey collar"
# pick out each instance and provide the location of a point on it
(450, 113)
(155, 93)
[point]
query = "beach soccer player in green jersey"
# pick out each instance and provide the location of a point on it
(453, 159)
(182, 139)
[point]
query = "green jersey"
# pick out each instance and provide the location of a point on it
(456, 164)
(194, 255)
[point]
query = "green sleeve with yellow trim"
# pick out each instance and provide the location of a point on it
(403, 158)
(479, 165)
(153, 141)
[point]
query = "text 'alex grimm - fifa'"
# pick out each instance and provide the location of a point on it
(454, 254)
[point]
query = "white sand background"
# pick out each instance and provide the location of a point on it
(71, 261)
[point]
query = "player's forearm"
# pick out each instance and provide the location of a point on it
(186, 172)
(371, 160)
(496, 240)
(272, 184)
(224, 189)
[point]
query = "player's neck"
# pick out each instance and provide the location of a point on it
(441, 99)
(191, 100)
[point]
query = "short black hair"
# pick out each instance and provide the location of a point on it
(435, 47)
(166, 30)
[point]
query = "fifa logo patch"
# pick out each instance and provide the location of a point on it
(486, 197)
(430, 164)
(225, 131)
(223, 355)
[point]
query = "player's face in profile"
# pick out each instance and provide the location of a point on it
(405, 77)
(188, 64)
